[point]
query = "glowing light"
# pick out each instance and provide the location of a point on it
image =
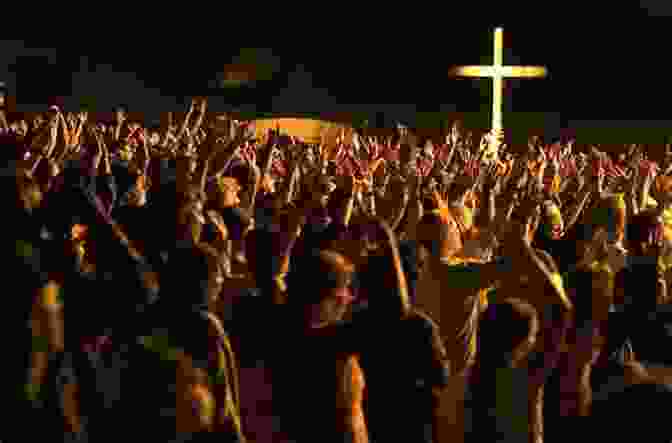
(498, 72)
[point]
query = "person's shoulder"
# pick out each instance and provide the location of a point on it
(421, 323)
(28, 258)
(421, 318)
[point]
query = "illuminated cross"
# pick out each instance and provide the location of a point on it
(497, 72)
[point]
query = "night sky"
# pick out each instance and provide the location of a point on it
(601, 75)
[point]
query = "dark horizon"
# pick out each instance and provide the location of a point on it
(599, 81)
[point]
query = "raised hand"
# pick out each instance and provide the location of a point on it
(120, 116)
(454, 136)
(485, 142)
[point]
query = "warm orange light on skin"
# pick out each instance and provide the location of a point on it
(78, 232)
(498, 72)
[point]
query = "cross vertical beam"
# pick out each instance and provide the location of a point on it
(497, 71)
(497, 82)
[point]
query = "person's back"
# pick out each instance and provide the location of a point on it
(649, 323)
(309, 388)
(497, 401)
(405, 365)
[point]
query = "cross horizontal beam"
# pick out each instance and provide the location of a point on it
(500, 71)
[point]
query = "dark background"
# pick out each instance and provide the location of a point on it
(608, 77)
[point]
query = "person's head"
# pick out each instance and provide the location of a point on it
(459, 189)
(507, 333)
(134, 126)
(120, 113)
(227, 190)
(30, 192)
(388, 295)
(193, 278)
(137, 197)
(126, 153)
(551, 223)
(441, 237)
(154, 138)
(330, 294)
(309, 156)
(644, 234)
(663, 188)
(428, 149)
(323, 189)
(268, 184)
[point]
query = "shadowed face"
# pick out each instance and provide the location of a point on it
(154, 139)
(139, 196)
(228, 193)
(333, 306)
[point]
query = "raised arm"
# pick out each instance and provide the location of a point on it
(120, 119)
(185, 122)
(201, 116)
(574, 213)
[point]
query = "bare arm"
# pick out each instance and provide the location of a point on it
(254, 182)
(293, 178)
(574, 215)
(185, 123)
(396, 221)
(3, 120)
(76, 136)
(349, 204)
(644, 195)
(47, 331)
(204, 174)
(199, 120)
(53, 137)
(226, 388)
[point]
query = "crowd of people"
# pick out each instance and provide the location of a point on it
(188, 282)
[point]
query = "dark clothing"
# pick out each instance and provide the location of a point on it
(496, 407)
(309, 376)
(646, 325)
(630, 413)
(236, 220)
(402, 361)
